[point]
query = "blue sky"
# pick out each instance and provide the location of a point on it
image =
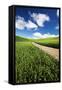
(37, 22)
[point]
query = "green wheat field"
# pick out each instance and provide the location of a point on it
(34, 65)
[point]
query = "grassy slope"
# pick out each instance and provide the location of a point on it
(33, 65)
(51, 42)
(18, 39)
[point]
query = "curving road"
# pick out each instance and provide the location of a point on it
(52, 51)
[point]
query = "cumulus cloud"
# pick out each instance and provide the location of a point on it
(58, 12)
(57, 27)
(30, 25)
(47, 35)
(40, 19)
(21, 23)
(37, 35)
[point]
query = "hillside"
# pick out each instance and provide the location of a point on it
(18, 38)
(50, 42)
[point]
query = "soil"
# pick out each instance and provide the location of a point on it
(51, 51)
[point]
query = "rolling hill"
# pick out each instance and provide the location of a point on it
(50, 42)
(18, 39)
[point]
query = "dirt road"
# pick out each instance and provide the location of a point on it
(52, 51)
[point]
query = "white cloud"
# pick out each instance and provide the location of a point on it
(40, 18)
(58, 12)
(57, 27)
(37, 34)
(47, 35)
(30, 25)
(21, 24)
